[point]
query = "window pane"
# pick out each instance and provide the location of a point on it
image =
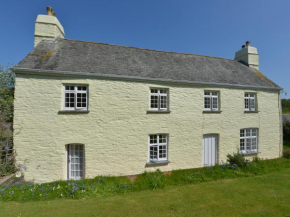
(154, 91)
(246, 103)
(82, 88)
(252, 102)
(162, 138)
(248, 141)
(254, 132)
(246, 94)
(254, 144)
(163, 91)
(242, 144)
(207, 102)
(248, 132)
(69, 87)
(214, 93)
(153, 152)
(154, 102)
(163, 101)
(215, 103)
(242, 133)
(206, 93)
(162, 151)
(153, 139)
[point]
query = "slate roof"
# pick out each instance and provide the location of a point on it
(89, 57)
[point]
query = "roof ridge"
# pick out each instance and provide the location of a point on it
(146, 49)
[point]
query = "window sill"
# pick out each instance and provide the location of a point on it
(212, 112)
(251, 153)
(151, 163)
(157, 111)
(73, 111)
(251, 111)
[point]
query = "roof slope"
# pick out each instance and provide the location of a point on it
(89, 57)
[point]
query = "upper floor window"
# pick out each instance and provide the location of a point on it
(159, 99)
(75, 97)
(211, 100)
(248, 140)
(250, 102)
(158, 147)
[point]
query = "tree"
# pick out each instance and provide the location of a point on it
(7, 84)
(286, 106)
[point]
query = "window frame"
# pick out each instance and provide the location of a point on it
(158, 144)
(250, 98)
(159, 95)
(211, 97)
(75, 91)
(245, 139)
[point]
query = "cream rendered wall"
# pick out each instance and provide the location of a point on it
(115, 131)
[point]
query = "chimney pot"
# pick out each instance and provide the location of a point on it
(248, 43)
(49, 11)
(243, 46)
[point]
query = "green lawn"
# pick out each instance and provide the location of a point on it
(266, 195)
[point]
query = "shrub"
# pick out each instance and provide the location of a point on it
(286, 154)
(286, 131)
(150, 180)
(237, 159)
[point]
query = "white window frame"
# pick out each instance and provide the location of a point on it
(81, 163)
(251, 98)
(159, 95)
(158, 144)
(211, 96)
(248, 138)
(75, 91)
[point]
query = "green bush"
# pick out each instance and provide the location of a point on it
(286, 131)
(286, 154)
(237, 159)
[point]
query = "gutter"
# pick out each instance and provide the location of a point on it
(134, 78)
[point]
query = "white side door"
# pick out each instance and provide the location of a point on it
(209, 150)
(75, 161)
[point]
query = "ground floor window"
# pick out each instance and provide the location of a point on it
(75, 161)
(158, 147)
(248, 140)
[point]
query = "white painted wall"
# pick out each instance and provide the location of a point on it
(115, 131)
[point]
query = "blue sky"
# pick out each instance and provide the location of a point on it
(214, 28)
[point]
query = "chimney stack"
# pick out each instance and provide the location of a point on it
(248, 55)
(47, 27)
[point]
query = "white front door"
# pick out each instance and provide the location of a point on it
(209, 150)
(75, 161)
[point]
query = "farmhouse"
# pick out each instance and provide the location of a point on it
(84, 109)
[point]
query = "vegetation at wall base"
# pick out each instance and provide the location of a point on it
(110, 186)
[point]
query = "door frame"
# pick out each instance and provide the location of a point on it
(217, 146)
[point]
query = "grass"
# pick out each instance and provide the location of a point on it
(265, 195)
(112, 186)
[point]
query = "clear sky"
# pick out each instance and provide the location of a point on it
(214, 28)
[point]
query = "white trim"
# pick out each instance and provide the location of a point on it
(158, 144)
(211, 97)
(251, 98)
(81, 163)
(75, 91)
(247, 138)
(158, 95)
